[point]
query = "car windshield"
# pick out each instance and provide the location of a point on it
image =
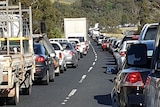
(56, 47)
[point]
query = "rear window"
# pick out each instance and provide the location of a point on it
(81, 39)
(39, 49)
(55, 46)
(67, 46)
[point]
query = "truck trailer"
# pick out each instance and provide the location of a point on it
(77, 28)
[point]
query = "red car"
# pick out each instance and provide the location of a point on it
(104, 44)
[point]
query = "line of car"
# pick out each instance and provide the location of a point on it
(130, 85)
(53, 57)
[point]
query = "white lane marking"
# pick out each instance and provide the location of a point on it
(63, 103)
(90, 69)
(67, 98)
(83, 77)
(72, 92)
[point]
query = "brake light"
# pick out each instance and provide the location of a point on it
(60, 55)
(39, 59)
(133, 79)
(135, 37)
(122, 54)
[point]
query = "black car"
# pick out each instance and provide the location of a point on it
(44, 64)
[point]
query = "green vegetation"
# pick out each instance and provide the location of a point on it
(109, 13)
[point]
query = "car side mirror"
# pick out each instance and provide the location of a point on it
(137, 55)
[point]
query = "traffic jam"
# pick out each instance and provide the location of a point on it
(136, 81)
(35, 61)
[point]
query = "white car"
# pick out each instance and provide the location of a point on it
(120, 54)
(79, 47)
(84, 44)
(60, 54)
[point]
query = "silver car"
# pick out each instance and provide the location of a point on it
(70, 53)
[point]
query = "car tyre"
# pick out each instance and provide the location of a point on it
(46, 82)
(15, 99)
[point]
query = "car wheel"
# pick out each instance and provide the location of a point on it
(28, 90)
(15, 99)
(65, 67)
(115, 101)
(121, 100)
(52, 74)
(81, 55)
(46, 82)
(58, 71)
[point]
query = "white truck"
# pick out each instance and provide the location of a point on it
(77, 28)
(16, 52)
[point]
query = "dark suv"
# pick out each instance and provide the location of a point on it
(45, 59)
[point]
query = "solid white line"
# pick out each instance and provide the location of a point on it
(72, 92)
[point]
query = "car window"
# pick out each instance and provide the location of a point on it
(150, 34)
(39, 49)
(81, 39)
(55, 46)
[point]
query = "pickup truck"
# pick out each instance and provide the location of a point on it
(152, 86)
(148, 32)
(16, 52)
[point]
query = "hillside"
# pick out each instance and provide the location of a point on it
(64, 1)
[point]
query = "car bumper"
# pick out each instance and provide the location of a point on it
(135, 99)
(40, 72)
(133, 95)
(70, 60)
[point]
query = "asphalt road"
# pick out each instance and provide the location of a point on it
(88, 85)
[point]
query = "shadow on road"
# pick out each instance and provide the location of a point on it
(103, 99)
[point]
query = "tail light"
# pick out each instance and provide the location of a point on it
(133, 79)
(123, 53)
(60, 55)
(39, 59)
(135, 37)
